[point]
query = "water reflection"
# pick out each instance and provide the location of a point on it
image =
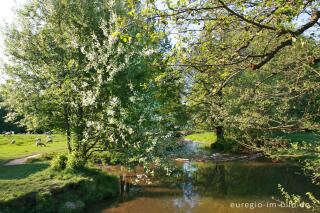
(190, 197)
(213, 187)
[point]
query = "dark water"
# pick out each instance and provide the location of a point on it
(233, 187)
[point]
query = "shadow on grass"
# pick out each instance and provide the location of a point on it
(2, 162)
(20, 171)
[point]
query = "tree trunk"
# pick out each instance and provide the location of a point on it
(219, 144)
(69, 139)
(219, 132)
(66, 117)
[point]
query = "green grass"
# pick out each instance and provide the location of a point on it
(20, 171)
(206, 138)
(13, 184)
(30, 187)
(35, 187)
(26, 145)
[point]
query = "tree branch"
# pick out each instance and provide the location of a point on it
(315, 17)
(261, 82)
(271, 54)
(245, 19)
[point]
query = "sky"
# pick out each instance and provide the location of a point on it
(6, 15)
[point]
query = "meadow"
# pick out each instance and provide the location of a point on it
(25, 145)
(37, 188)
(35, 182)
(206, 138)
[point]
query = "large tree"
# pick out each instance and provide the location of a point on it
(252, 66)
(234, 52)
(84, 68)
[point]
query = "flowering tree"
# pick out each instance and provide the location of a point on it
(85, 67)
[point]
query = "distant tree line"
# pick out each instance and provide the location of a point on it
(8, 126)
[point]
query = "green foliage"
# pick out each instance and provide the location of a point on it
(81, 68)
(75, 162)
(107, 158)
(59, 162)
(169, 92)
(296, 200)
(251, 69)
(8, 126)
(309, 137)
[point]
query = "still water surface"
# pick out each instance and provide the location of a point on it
(230, 187)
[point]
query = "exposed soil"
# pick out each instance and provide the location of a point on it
(20, 160)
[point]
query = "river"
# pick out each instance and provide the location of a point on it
(217, 187)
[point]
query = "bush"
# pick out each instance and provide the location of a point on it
(75, 162)
(107, 158)
(59, 163)
(100, 158)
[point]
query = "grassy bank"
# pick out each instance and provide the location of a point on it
(37, 188)
(206, 138)
(26, 145)
(312, 138)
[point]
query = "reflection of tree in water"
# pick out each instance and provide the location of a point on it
(211, 181)
(188, 188)
(237, 180)
(190, 196)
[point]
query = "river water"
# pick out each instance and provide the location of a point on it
(229, 187)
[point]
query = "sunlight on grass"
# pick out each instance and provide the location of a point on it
(206, 138)
(43, 179)
(26, 145)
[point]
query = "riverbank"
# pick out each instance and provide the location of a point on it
(37, 188)
(28, 184)
(34, 187)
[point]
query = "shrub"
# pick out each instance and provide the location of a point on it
(59, 163)
(100, 158)
(75, 162)
(107, 158)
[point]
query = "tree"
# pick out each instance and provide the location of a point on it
(83, 67)
(220, 43)
(253, 66)
(6, 126)
(42, 48)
